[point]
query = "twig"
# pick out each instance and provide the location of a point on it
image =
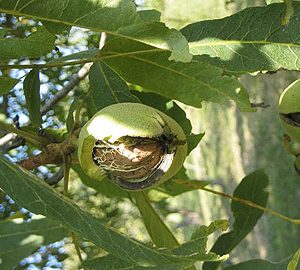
(10, 141)
(82, 73)
(56, 177)
(253, 205)
(260, 105)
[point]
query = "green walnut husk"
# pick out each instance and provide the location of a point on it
(289, 110)
(133, 145)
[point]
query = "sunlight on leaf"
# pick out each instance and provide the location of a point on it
(267, 45)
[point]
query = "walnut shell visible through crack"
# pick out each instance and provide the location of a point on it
(131, 162)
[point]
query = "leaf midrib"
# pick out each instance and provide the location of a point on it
(198, 43)
(181, 74)
(41, 18)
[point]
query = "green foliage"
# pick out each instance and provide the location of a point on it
(110, 262)
(106, 88)
(196, 246)
(266, 45)
(32, 94)
(46, 201)
(158, 231)
(35, 45)
(121, 19)
(150, 15)
(139, 64)
(20, 239)
(143, 61)
(6, 83)
(293, 264)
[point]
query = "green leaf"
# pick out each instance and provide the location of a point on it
(117, 17)
(56, 28)
(43, 199)
(3, 32)
(35, 45)
(70, 118)
(106, 262)
(150, 15)
(32, 95)
(12, 257)
(190, 83)
(157, 35)
(193, 140)
(104, 186)
(196, 247)
(111, 262)
(251, 188)
(7, 83)
(106, 88)
(259, 265)
(19, 240)
(248, 41)
(294, 263)
(160, 234)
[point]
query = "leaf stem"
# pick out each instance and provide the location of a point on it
(76, 245)
(254, 205)
(47, 65)
(289, 12)
(67, 166)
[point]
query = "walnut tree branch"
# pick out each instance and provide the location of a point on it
(82, 73)
(53, 153)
